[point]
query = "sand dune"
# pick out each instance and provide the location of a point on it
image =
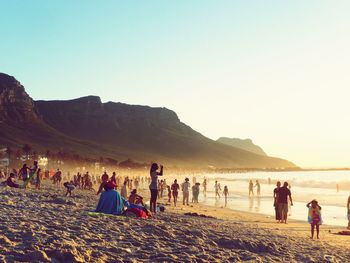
(44, 226)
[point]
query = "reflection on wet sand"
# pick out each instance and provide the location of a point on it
(251, 204)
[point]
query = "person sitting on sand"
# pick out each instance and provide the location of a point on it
(282, 199)
(70, 186)
(185, 191)
(10, 181)
(111, 202)
(175, 191)
(135, 199)
(104, 180)
(314, 217)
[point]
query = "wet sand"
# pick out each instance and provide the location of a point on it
(45, 226)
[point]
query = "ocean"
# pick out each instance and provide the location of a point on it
(305, 186)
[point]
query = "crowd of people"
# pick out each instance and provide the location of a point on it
(119, 194)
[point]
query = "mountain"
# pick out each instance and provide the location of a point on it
(90, 128)
(246, 144)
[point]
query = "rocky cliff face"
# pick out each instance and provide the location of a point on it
(15, 103)
(90, 128)
(246, 144)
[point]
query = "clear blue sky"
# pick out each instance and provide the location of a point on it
(273, 71)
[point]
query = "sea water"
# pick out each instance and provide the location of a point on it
(305, 186)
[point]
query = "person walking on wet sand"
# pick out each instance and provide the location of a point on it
(205, 187)
(154, 185)
(251, 186)
(257, 185)
(275, 203)
(175, 190)
(282, 199)
(225, 194)
(185, 191)
(217, 189)
(314, 217)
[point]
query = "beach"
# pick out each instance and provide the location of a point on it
(44, 226)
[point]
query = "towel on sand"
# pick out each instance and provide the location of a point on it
(111, 202)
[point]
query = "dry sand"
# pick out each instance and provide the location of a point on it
(45, 226)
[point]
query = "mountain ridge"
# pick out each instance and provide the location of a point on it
(117, 130)
(245, 144)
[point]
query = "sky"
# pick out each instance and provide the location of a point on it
(273, 71)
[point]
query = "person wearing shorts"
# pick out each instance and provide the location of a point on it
(282, 202)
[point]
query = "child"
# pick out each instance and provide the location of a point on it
(38, 179)
(169, 193)
(70, 186)
(314, 217)
(225, 194)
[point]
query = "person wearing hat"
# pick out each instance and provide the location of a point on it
(185, 191)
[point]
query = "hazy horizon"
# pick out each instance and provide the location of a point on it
(270, 71)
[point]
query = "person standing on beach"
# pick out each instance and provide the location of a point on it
(251, 186)
(185, 191)
(205, 187)
(257, 185)
(348, 206)
(114, 179)
(275, 201)
(217, 189)
(24, 172)
(154, 185)
(314, 217)
(38, 179)
(225, 194)
(124, 190)
(175, 189)
(282, 199)
(169, 193)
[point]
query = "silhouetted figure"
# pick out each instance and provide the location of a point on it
(154, 185)
(250, 187)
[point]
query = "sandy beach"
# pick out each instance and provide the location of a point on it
(44, 226)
